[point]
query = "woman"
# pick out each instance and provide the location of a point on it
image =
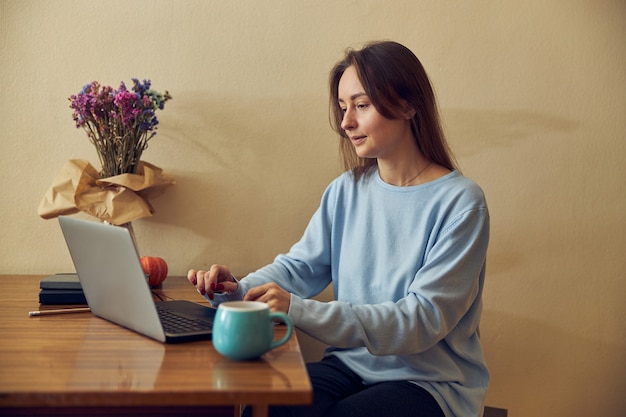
(402, 236)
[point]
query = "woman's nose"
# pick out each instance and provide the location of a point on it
(348, 122)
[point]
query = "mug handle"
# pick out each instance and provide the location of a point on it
(285, 319)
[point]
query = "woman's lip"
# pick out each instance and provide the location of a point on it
(356, 140)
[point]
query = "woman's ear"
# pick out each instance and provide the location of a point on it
(408, 111)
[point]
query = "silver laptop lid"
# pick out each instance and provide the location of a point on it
(107, 264)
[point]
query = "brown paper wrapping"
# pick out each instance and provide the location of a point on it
(117, 200)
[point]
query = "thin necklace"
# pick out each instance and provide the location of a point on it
(418, 174)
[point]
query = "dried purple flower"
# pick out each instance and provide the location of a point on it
(118, 122)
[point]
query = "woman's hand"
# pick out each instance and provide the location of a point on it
(271, 294)
(217, 279)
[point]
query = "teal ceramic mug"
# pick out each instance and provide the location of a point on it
(244, 330)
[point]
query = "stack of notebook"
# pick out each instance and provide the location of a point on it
(61, 289)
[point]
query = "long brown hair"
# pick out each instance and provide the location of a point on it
(393, 77)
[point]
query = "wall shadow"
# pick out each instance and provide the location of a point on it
(472, 131)
(533, 364)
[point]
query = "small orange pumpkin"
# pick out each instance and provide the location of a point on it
(155, 268)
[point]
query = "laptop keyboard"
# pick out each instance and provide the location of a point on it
(177, 324)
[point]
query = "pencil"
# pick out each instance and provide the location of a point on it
(59, 311)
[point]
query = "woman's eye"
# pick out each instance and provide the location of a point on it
(362, 106)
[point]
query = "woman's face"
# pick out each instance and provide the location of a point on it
(371, 134)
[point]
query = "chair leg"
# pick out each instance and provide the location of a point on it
(495, 412)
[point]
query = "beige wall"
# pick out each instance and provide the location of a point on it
(533, 96)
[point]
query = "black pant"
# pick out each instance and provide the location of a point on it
(339, 392)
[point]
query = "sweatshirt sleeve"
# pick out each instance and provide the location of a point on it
(305, 269)
(440, 296)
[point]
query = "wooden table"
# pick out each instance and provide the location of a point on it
(79, 364)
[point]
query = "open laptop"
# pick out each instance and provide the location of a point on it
(116, 289)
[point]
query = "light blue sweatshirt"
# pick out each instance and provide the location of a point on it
(407, 266)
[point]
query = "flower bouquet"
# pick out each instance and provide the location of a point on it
(119, 123)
